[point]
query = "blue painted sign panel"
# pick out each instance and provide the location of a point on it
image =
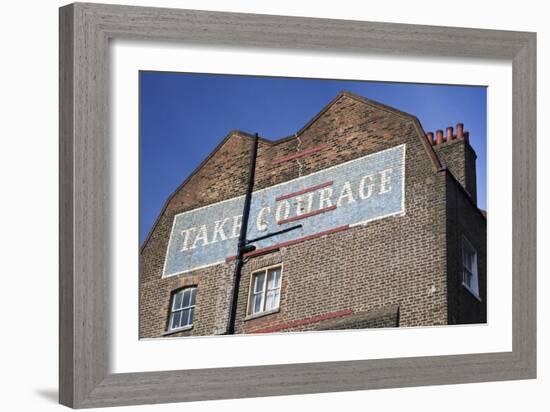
(352, 193)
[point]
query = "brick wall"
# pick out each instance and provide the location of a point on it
(399, 261)
(464, 220)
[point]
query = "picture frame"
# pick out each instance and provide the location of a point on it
(85, 32)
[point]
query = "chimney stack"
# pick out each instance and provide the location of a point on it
(438, 136)
(449, 136)
(460, 130)
(459, 157)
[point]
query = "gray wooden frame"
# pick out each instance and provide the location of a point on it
(85, 31)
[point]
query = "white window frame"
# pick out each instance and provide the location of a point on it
(250, 307)
(183, 308)
(473, 271)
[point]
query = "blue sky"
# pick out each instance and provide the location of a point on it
(184, 116)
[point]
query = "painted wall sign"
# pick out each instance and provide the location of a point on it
(352, 193)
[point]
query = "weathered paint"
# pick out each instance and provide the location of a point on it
(351, 193)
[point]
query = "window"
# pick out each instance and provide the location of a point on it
(265, 290)
(183, 308)
(469, 268)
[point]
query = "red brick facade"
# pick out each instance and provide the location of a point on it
(401, 270)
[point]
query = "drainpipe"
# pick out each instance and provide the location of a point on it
(243, 246)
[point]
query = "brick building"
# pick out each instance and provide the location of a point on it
(391, 233)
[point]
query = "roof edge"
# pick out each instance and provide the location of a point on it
(434, 158)
(234, 132)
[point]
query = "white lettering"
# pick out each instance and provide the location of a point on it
(346, 193)
(286, 204)
(370, 186)
(309, 202)
(261, 223)
(385, 181)
(324, 197)
(300, 209)
(202, 235)
(218, 230)
(185, 233)
(237, 221)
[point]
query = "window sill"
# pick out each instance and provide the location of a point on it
(172, 331)
(262, 314)
(475, 295)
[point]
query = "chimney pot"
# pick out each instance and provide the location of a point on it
(449, 134)
(460, 130)
(466, 136)
(430, 136)
(439, 136)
